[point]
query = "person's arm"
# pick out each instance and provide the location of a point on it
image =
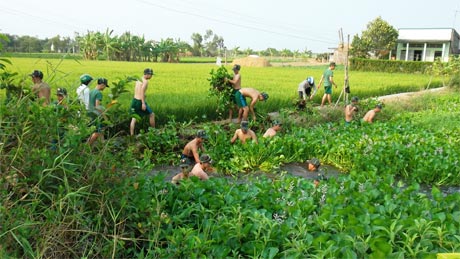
(252, 104)
(314, 91)
(254, 137)
(320, 81)
(144, 89)
(235, 79)
(235, 136)
(331, 79)
(302, 89)
(195, 154)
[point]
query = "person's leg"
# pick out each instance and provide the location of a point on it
(245, 113)
(152, 120)
(132, 126)
(329, 99)
(323, 100)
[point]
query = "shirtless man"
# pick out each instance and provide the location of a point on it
(369, 117)
(255, 97)
(190, 152)
(138, 105)
(184, 174)
(271, 132)
(244, 134)
(40, 89)
(237, 97)
(351, 109)
(200, 169)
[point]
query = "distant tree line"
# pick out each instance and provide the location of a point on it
(128, 47)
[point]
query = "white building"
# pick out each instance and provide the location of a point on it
(426, 44)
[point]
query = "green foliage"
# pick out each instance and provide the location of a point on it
(61, 198)
(221, 89)
(378, 39)
(390, 66)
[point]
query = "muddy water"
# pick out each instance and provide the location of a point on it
(294, 169)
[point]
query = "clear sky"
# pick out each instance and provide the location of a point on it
(255, 24)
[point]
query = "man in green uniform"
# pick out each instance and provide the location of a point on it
(328, 78)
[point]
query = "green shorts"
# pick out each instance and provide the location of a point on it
(136, 107)
(328, 89)
(239, 99)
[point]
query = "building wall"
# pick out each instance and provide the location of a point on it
(423, 51)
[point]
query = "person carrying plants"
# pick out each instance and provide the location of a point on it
(40, 89)
(96, 110)
(328, 79)
(271, 132)
(185, 170)
(139, 106)
(190, 152)
(83, 90)
(370, 115)
(255, 97)
(237, 97)
(244, 133)
(351, 109)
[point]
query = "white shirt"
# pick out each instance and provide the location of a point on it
(83, 94)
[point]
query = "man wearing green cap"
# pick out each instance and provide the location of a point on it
(96, 110)
(190, 152)
(244, 133)
(255, 97)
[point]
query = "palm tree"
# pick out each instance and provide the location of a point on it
(109, 43)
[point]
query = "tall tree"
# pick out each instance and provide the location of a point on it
(197, 48)
(379, 38)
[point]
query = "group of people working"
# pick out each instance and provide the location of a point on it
(92, 99)
(307, 90)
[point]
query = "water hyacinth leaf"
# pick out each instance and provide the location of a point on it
(456, 216)
(270, 252)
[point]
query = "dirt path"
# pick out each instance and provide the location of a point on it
(409, 95)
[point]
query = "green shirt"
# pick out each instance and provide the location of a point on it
(327, 75)
(94, 95)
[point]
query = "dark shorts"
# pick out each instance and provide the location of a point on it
(96, 121)
(328, 89)
(307, 93)
(239, 99)
(136, 107)
(190, 159)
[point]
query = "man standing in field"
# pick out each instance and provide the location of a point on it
(40, 89)
(237, 97)
(255, 97)
(83, 90)
(139, 106)
(328, 78)
(369, 117)
(96, 110)
(244, 133)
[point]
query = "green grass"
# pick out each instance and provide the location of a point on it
(182, 89)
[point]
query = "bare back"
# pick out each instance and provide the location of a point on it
(369, 117)
(250, 92)
(140, 89)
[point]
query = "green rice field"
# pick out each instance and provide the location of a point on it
(182, 90)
